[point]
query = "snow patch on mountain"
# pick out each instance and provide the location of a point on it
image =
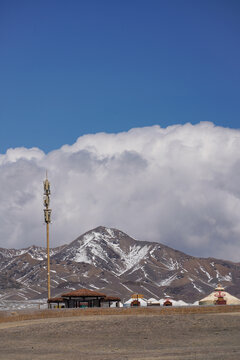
(126, 287)
(81, 256)
(207, 274)
(167, 281)
(223, 277)
(195, 286)
(171, 264)
(135, 255)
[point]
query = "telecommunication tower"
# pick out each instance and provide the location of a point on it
(47, 218)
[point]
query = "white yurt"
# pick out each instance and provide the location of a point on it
(174, 302)
(212, 298)
(143, 302)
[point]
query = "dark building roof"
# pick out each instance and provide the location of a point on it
(84, 293)
(112, 298)
(55, 300)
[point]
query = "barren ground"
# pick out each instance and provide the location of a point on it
(141, 335)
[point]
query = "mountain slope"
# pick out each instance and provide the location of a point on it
(110, 260)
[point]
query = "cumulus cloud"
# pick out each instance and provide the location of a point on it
(178, 185)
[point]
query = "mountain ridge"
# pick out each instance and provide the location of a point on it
(109, 260)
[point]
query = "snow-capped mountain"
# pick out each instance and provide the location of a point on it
(109, 249)
(111, 261)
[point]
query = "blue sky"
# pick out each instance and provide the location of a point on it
(69, 68)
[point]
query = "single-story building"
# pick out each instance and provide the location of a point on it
(56, 302)
(153, 302)
(83, 298)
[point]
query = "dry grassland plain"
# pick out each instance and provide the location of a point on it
(121, 334)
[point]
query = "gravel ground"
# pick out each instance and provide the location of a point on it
(135, 337)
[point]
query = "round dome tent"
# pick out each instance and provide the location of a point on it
(174, 302)
(167, 302)
(141, 301)
(211, 299)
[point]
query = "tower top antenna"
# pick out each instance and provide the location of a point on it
(47, 218)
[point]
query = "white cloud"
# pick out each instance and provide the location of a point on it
(179, 186)
(13, 155)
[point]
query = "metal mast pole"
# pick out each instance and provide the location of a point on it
(47, 218)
